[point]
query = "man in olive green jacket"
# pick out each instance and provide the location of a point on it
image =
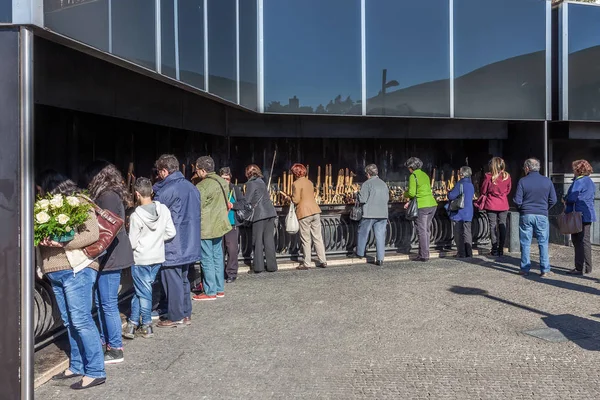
(215, 224)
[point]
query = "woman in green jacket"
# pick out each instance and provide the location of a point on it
(419, 188)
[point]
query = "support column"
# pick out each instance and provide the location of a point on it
(9, 214)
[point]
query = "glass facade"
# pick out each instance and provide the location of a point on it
(167, 39)
(248, 58)
(583, 62)
(134, 31)
(312, 56)
(500, 59)
(222, 50)
(408, 77)
(87, 22)
(480, 59)
(191, 42)
(5, 10)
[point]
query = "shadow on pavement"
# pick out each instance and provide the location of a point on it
(582, 331)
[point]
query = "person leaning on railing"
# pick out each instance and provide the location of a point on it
(419, 188)
(580, 198)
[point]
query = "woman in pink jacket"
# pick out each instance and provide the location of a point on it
(496, 187)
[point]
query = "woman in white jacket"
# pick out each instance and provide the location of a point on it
(149, 227)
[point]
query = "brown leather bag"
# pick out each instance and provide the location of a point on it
(109, 225)
(570, 223)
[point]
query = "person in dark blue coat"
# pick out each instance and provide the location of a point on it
(183, 251)
(580, 198)
(461, 218)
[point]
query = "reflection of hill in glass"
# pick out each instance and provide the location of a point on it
(584, 84)
(514, 88)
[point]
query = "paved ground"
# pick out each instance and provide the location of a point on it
(442, 330)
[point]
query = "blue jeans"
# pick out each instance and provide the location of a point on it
(531, 226)
(107, 304)
(213, 267)
(143, 278)
(379, 226)
(73, 293)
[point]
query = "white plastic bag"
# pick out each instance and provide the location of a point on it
(291, 221)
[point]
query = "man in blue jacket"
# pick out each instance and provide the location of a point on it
(183, 200)
(535, 196)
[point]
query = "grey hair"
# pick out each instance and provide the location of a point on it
(413, 163)
(532, 164)
(168, 162)
(466, 171)
(206, 163)
(371, 170)
(225, 171)
(143, 186)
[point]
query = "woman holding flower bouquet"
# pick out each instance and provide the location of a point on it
(106, 188)
(70, 272)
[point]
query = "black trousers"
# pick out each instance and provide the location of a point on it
(177, 288)
(263, 239)
(583, 249)
(497, 228)
(230, 241)
(463, 238)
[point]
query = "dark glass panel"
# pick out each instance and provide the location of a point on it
(408, 57)
(248, 54)
(500, 59)
(134, 31)
(312, 56)
(222, 54)
(191, 42)
(167, 38)
(85, 21)
(584, 62)
(5, 10)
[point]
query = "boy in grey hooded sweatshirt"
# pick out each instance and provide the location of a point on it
(149, 227)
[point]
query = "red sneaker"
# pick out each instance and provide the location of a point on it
(220, 294)
(203, 297)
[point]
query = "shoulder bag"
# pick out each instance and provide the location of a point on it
(570, 223)
(109, 225)
(356, 213)
(459, 202)
(412, 212)
(222, 190)
(245, 215)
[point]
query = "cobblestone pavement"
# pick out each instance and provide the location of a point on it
(442, 330)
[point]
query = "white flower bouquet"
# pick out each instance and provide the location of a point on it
(57, 217)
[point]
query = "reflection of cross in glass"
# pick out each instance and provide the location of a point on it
(384, 86)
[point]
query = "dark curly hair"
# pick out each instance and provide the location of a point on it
(53, 182)
(102, 176)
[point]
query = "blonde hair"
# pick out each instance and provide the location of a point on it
(497, 168)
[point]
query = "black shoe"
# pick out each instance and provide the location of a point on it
(322, 265)
(230, 280)
(421, 259)
(113, 356)
(146, 331)
(575, 272)
(62, 376)
(354, 255)
(379, 263)
(95, 382)
(129, 330)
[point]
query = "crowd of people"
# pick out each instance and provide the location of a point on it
(177, 224)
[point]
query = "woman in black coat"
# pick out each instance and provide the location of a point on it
(106, 188)
(263, 221)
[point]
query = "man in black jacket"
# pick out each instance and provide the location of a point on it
(231, 238)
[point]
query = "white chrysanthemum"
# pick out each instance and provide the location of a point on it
(73, 201)
(42, 217)
(62, 219)
(43, 204)
(57, 201)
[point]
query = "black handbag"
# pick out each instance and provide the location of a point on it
(459, 202)
(356, 213)
(412, 211)
(245, 215)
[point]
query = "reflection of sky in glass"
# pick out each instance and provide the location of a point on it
(584, 27)
(312, 50)
(5, 10)
(488, 31)
(133, 26)
(191, 42)
(410, 39)
(221, 49)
